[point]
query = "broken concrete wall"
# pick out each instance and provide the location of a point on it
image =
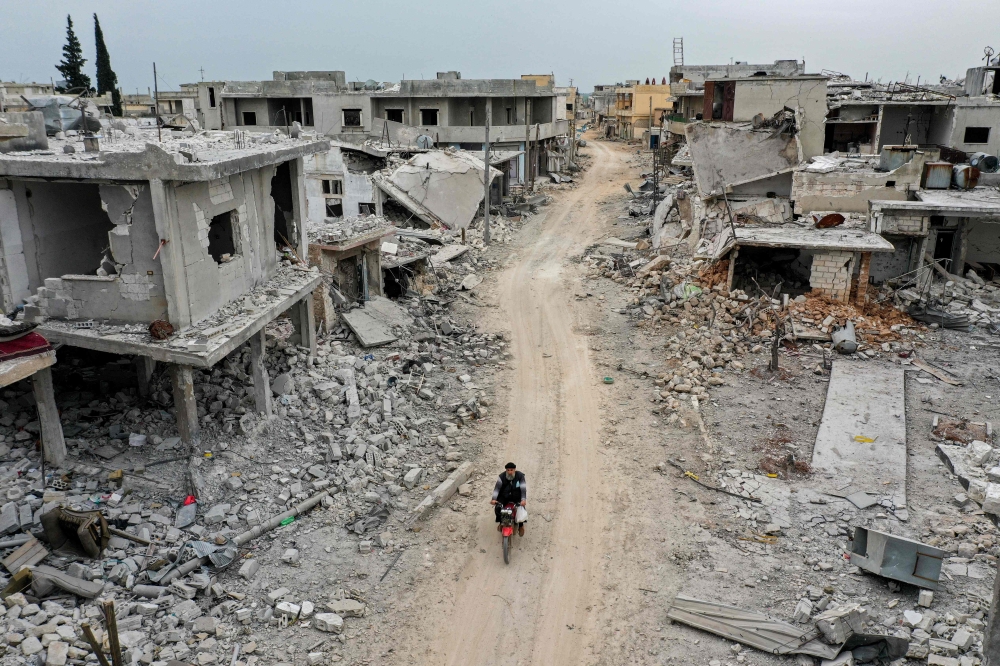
(137, 293)
(63, 228)
(887, 265)
(13, 268)
(850, 191)
(357, 187)
(729, 155)
(805, 95)
(983, 241)
(246, 198)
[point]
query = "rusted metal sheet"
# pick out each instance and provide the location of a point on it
(965, 176)
(936, 176)
(706, 110)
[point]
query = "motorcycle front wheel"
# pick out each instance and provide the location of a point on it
(506, 550)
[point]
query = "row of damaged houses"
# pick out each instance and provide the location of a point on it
(829, 185)
(178, 241)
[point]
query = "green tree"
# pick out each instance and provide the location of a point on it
(107, 80)
(71, 66)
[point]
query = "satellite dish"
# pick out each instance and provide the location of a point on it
(424, 141)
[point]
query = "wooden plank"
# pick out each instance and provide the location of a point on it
(862, 436)
(931, 370)
(17, 369)
(26, 555)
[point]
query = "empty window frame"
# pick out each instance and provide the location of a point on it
(569, 107)
(510, 116)
(977, 135)
(366, 208)
(333, 186)
(249, 117)
(211, 97)
(429, 117)
(352, 117)
(334, 208)
(221, 237)
(394, 115)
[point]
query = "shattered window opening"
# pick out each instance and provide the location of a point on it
(366, 208)
(221, 237)
(211, 97)
(334, 208)
(333, 186)
(249, 117)
(394, 115)
(352, 117)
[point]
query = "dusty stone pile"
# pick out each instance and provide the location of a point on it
(376, 429)
(970, 297)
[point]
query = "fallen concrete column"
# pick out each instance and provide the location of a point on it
(443, 492)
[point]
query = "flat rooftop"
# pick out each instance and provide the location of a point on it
(136, 154)
(201, 345)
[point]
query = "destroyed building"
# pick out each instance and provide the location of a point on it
(164, 251)
(687, 85)
(448, 110)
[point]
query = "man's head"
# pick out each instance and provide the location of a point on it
(510, 468)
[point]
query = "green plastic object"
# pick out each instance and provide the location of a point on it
(288, 521)
(609, 380)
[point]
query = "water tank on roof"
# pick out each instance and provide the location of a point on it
(985, 162)
(424, 141)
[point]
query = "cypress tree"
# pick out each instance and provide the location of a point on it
(71, 66)
(107, 80)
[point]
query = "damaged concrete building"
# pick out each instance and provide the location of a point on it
(687, 85)
(447, 111)
(168, 252)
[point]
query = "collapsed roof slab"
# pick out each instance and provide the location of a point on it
(148, 160)
(724, 155)
(848, 240)
(444, 186)
(204, 344)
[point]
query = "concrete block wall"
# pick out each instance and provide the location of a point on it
(905, 224)
(831, 274)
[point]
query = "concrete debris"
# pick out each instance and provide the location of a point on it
(366, 434)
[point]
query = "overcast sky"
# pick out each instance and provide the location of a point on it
(587, 41)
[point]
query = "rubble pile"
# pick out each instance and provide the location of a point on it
(878, 324)
(334, 229)
(971, 299)
(374, 433)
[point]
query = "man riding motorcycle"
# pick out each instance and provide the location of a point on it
(511, 486)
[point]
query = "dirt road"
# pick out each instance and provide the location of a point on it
(543, 598)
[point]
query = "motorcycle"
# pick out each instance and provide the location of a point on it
(508, 525)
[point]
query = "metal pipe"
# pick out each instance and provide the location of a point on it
(247, 536)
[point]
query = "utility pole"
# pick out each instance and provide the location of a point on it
(527, 140)
(156, 104)
(486, 173)
(650, 121)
